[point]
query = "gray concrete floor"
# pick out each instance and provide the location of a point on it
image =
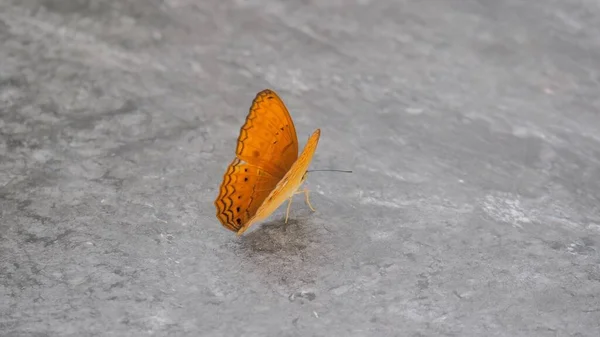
(472, 127)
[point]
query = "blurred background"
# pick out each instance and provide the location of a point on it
(472, 128)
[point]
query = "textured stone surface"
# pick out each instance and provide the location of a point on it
(473, 129)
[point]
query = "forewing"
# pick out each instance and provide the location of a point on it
(268, 137)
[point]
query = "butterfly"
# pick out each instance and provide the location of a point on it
(267, 169)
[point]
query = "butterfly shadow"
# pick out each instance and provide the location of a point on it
(277, 237)
(285, 253)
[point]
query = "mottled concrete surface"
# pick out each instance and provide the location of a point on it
(473, 129)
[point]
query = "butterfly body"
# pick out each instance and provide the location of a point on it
(267, 170)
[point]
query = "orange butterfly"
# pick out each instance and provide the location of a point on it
(267, 170)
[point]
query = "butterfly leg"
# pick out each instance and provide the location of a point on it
(308, 199)
(287, 212)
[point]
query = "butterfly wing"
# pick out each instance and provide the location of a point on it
(267, 148)
(287, 186)
(243, 190)
(268, 138)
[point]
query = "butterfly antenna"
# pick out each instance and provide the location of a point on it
(344, 171)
